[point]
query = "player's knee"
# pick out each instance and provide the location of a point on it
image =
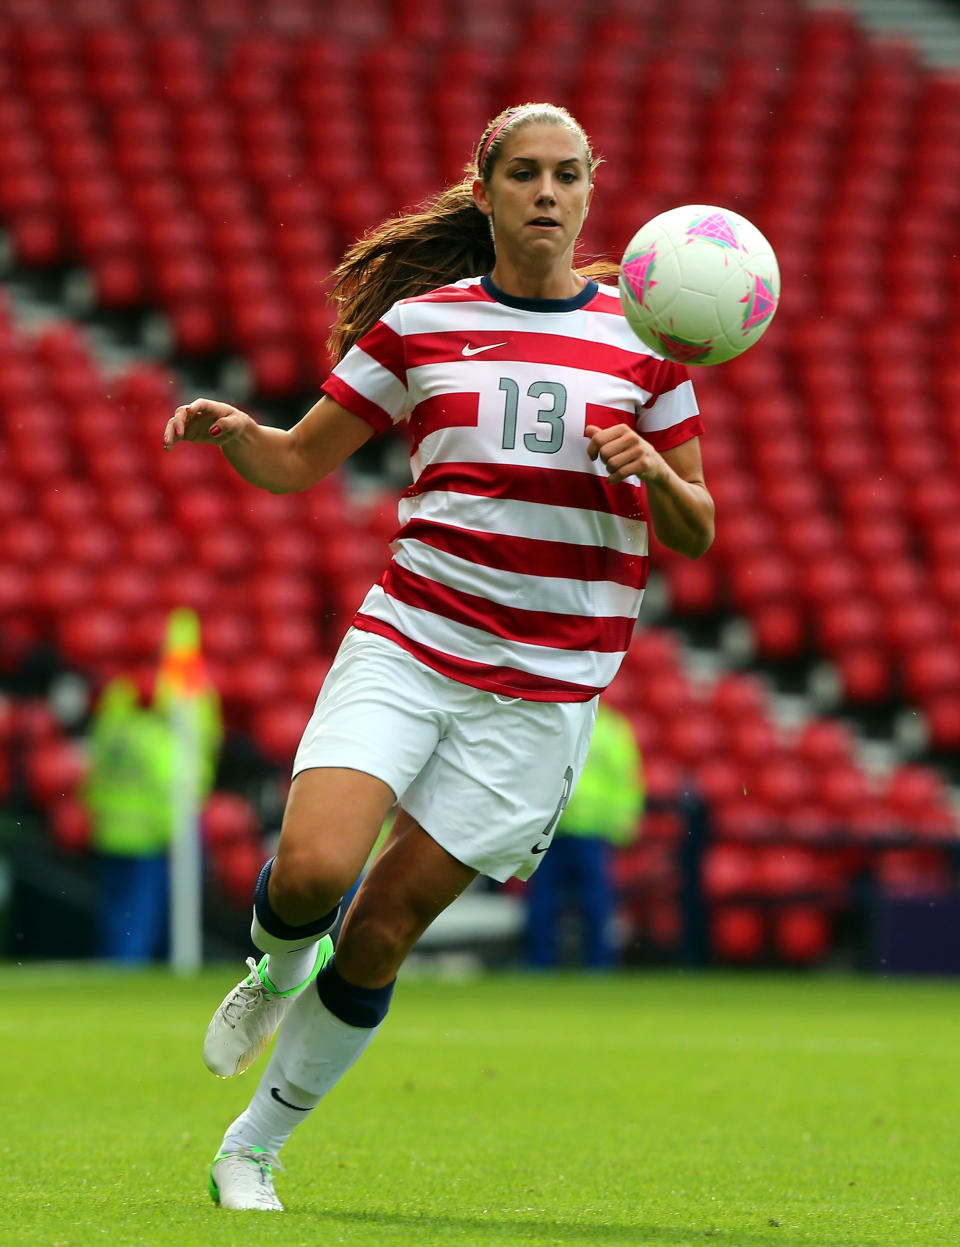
(299, 882)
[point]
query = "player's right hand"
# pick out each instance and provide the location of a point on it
(204, 420)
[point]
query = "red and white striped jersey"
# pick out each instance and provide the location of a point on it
(516, 567)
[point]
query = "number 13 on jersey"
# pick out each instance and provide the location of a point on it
(551, 399)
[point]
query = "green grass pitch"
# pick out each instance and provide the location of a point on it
(656, 1110)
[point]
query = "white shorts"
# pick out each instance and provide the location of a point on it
(485, 776)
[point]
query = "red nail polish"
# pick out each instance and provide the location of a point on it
(215, 431)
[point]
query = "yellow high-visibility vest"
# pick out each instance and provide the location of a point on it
(609, 799)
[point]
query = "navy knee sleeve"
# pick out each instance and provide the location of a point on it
(357, 1006)
(274, 925)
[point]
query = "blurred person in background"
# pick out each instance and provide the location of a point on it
(545, 436)
(576, 874)
(129, 796)
(128, 793)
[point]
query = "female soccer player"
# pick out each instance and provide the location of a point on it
(544, 434)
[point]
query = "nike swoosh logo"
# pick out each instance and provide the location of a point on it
(475, 350)
(540, 848)
(286, 1103)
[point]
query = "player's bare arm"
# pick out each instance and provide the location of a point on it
(681, 508)
(279, 460)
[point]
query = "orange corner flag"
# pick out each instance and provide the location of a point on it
(182, 673)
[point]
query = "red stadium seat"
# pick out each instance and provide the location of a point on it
(249, 686)
(830, 577)
(786, 871)
(734, 694)
(691, 738)
(931, 671)
(873, 820)
(747, 532)
(667, 694)
(846, 623)
(759, 579)
(744, 818)
(14, 500)
(738, 933)
(237, 867)
(61, 587)
(128, 589)
(944, 584)
(912, 873)
(866, 677)
(229, 819)
(132, 505)
(188, 585)
(277, 730)
(823, 742)
(145, 635)
(808, 823)
(291, 550)
(663, 776)
(223, 550)
(779, 631)
(69, 822)
(39, 464)
(153, 547)
(843, 788)
(278, 369)
(54, 769)
(941, 712)
(783, 783)
(719, 779)
(72, 503)
(290, 638)
(892, 579)
(801, 935)
(911, 788)
(16, 602)
(92, 635)
(729, 871)
(753, 739)
(306, 677)
(227, 636)
(283, 592)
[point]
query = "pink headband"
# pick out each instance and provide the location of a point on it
(493, 134)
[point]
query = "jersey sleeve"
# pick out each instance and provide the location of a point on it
(670, 416)
(371, 379)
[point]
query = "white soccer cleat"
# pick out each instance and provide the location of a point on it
(249, 1015)
(243, 1180)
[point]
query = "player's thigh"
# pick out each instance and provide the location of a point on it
(330, 825)
(375, 725)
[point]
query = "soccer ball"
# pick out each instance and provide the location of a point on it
(699, 284)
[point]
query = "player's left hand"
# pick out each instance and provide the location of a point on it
(625, 453)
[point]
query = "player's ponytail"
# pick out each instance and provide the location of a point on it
(444, 240)
(447, 238)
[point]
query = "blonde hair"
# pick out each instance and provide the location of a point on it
(444, 240)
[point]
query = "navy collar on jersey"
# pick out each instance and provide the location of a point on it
(540, 305)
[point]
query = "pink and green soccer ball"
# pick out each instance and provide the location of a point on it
(699, 284)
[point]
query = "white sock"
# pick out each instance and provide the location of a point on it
(290, 969)
(289, 962)
(313, 1051)
(276, 1109)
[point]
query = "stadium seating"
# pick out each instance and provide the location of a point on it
(212, 161)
